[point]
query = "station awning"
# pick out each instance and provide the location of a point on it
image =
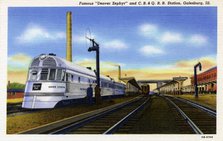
(131, 80)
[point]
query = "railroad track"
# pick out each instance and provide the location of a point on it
(108, 122)
(201, 119)
(14, 108)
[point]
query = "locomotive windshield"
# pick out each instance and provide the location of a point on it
(47, 74)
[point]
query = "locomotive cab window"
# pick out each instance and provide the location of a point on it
(52, 74)
(44, 74)
(59, 74)
(33, 75)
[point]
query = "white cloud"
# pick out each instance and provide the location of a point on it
(149, 30)
(19, 61)
(198, 39)
(171, 37)
(34, 33)
(81, 39)
(149, 50)
(166, 37)
(115, 44)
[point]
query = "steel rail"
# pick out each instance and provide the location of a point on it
(187, 119)
(121, 122)
(196, 105)
(211, 112)
(89, 119)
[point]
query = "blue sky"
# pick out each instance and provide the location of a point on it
(136, 37)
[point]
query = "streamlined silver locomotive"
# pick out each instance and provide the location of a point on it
(52, 80)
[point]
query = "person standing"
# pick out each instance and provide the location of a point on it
(89, 94)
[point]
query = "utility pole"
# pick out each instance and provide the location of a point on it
(195, 77)
(95, 47)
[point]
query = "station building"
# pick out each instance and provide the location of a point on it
(173, 87)
(207, 81)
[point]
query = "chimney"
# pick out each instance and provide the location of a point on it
(119, 73)
(69, 37)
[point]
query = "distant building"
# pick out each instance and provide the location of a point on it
(207, 81)
(173, 87)
(15, 93)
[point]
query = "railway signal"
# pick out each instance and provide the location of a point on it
(195, 77)
(95, 47)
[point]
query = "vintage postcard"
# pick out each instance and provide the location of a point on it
(130, 69)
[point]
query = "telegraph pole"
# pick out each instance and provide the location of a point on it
(195, 77)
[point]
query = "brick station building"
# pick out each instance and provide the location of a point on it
(207, 81)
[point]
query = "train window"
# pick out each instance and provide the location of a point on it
(67, 77)
(52, 74)
(103, 84)
(63, 75)
(72, 77)
(59, 72)
(33, 75)
(84, 80)
(79, 79)
(111, 85)
(44, 74)
(75, 78)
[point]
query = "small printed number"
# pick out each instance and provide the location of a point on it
(207, 137)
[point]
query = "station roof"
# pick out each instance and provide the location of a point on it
(130, 80)
(153, 81)
(174, 80)
(171, 82)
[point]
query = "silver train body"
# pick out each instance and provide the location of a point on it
(52, 79)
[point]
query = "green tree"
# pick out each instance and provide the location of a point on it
(17, 86)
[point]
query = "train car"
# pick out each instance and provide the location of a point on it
(145, 89)
(52, 80)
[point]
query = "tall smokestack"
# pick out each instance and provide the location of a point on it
(69, 37)
(119, 73)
